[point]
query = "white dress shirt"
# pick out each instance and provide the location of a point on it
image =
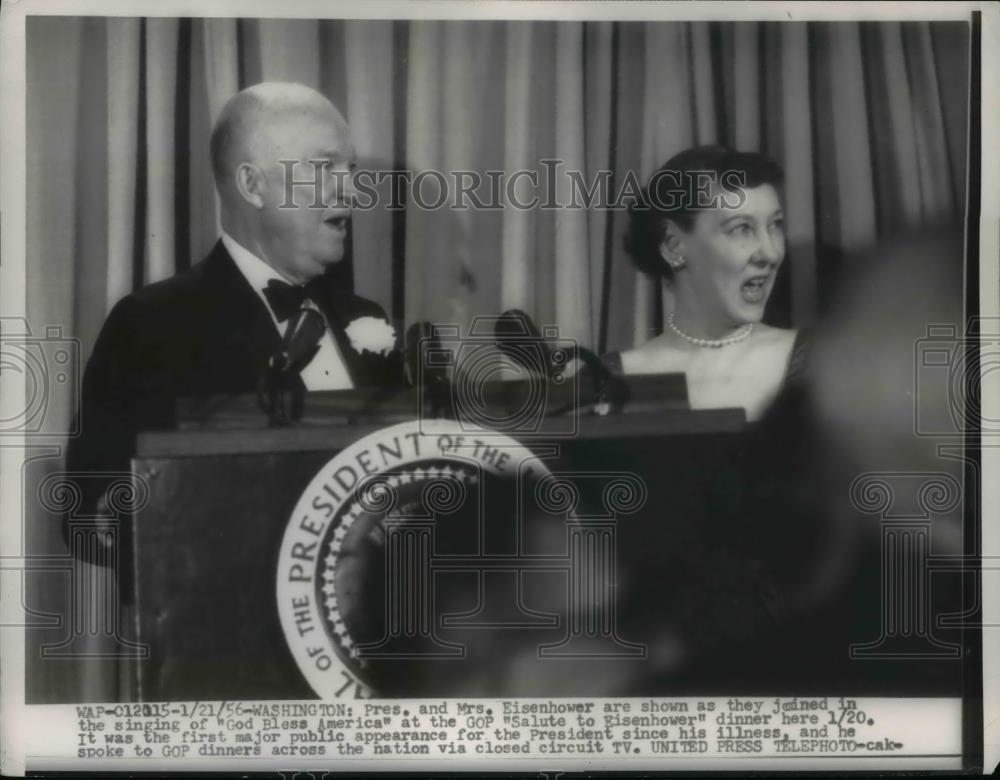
(326, 371)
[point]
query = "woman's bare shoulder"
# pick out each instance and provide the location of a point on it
(772, 333)
(645, 358)
(770, 337)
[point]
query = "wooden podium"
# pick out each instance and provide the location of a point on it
(685, 585)
(223, 486)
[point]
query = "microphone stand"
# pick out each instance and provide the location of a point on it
(515, 328)
(432, 383)
(280, 397)
(610, 392)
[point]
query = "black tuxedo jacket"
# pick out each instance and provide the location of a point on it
(200, 333)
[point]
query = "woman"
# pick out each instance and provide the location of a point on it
(711, 224)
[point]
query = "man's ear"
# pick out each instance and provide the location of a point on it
(672, 243)
(250, 183)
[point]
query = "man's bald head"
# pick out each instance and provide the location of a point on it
(283, 160)
(258, 126)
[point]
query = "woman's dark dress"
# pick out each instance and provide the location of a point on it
(721, 585)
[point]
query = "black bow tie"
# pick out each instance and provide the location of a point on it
(285, 299)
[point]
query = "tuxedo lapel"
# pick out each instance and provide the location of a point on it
(239, 333)
(242, 334)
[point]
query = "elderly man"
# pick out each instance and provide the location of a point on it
(282, 159)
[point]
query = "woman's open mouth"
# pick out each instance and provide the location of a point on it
(755, 289)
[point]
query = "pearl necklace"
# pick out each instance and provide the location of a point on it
(740, 335)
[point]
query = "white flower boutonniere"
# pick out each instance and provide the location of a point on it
(371, 334)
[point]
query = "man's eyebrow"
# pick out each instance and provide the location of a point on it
(335, 156)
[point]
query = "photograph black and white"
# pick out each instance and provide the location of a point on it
(586, 382)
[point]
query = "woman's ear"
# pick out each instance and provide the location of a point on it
(672, 245)
(249, 183)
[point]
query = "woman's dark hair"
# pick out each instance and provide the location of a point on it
(674, 190)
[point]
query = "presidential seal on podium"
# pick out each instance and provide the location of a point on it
(398, 542)
(428, 559)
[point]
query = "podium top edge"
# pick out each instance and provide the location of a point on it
(312, 437)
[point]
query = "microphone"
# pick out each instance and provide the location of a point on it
(519, 338)
(421, 347)
(278, 394)
(301, 342)
(417, 338)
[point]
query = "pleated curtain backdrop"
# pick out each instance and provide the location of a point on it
(869, 121)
